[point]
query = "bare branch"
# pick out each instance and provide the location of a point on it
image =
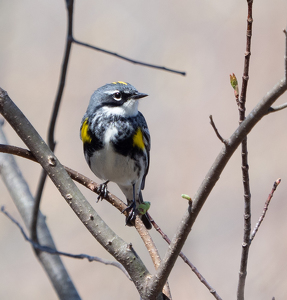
(152, 250)
(23, 200)
(216, 131)
(119, 205)
(209, 182)
(51, 130)
(244, 156)
(207, 185)
(276, 183)
(276, 108)
(128, 59)
(112, 199)
(51, 141)
(186, 260)
(55, 252)
(120, 250)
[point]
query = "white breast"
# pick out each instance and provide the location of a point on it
(109, 165)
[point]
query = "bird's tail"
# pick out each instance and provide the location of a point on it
(145, 219)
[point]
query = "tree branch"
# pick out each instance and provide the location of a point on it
(55, 252)
(216, 130)
(51, 140)
(23, 200)
(276, 183)
(51, 130)
(128, 59)
(276, 108)
(244, 156)
(117, 203)
(119, 249)
(186, 260)
(209, 182)
(152, 250)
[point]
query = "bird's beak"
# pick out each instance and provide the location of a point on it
(139, 95)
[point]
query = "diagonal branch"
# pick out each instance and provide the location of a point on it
(186, 260)
(276, 183)
(276, 108)
(23, 200)
(53, 251)
(209, 182)
(128, 59)
(216, 130)
(117, 203)
(154, 286)
(118, 248)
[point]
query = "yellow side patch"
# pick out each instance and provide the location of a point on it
(138, 139)
(86, 138)
(121, 82)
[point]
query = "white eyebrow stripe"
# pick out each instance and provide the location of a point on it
(111, 92)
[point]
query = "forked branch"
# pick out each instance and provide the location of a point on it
(209, 182)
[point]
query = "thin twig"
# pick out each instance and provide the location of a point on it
(186, 260)
(245, 167)
(153, 252)
(51, 130)
(128, 59)
(216, 131)
(276, 108)
(276, 183)
(55, 252)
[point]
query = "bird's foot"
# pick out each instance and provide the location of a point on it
(102, 190)
(132, 213)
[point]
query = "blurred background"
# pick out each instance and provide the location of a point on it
(206, 39)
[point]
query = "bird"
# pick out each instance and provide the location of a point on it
(116, 144)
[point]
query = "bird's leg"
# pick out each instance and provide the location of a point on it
(103, 190)
(131, 208)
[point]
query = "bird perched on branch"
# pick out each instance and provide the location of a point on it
(116, 144)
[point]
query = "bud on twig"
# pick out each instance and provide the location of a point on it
(234, 84)
(184, 196)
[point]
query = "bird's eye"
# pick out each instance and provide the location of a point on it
(117, 96)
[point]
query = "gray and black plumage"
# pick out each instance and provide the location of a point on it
(116, 142)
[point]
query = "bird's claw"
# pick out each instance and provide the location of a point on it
(132, 213)
(102, 190)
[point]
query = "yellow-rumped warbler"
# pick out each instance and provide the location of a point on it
(116, 142)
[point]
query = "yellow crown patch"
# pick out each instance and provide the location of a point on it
(120, 82)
